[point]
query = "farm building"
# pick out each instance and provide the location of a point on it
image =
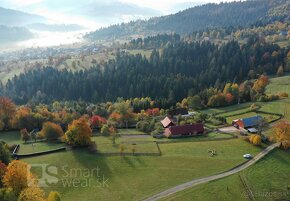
(247, 122)
(166, 122)
(184, 130)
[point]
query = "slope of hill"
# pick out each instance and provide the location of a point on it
(11, 17)
(234, 14)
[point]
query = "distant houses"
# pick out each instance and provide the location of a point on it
(248, 123)
(171, 130)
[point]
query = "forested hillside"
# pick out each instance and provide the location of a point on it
(170, 74)
(234, 14)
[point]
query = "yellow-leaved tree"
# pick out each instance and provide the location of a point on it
(79, 133)
(32, 194)
(282, 133)
(18, 177)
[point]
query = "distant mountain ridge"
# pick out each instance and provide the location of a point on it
(14, 34)
(55, 27)
(233, 14)
(9, 17)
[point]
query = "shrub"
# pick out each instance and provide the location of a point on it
(142, 125)
(255, 139)
(51, 131)
(105, 130)
(32, 194)
(7, 194)
(53, 196)
(283, 95)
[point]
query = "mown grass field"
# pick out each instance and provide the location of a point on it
(136, 177)
(268, 180)
(267, 117)
(129, 131)
(14, 138)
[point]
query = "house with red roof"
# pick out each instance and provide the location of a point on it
(184, 130)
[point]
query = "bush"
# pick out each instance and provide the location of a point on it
(255, 139)
(53, 196)
(7, 194)
(105, 130)
(145, 126)
(51, 131)
(283, 95)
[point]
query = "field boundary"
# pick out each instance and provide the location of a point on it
(205, 140)
(18, 156)
(159, 153)
(249, 194)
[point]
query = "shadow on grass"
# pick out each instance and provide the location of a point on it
(128, 160)
(92, 161)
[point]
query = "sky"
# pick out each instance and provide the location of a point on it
(99, 13)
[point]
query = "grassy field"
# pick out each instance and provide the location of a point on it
(267, 117)
(265, 183)
(226, 111)
(129, 131)
(145, 53)
(141, 145)
(135, 177)
(14, 138)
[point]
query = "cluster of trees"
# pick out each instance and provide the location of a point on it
(17, 183)
(233, 14)
(152, 42)
(31, 117)
(250, 90)
(168, 76)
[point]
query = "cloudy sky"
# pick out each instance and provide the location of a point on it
(99, 12)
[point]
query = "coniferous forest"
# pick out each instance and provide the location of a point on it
(176, 71)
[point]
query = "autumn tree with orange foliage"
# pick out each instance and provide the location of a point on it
(32, 194)
(282, 133)
(18, 177)
(79, 133)
(24, 118)
(51, 131)
(7, 110)
(229, 98)
(260, 84)
(153, 112)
